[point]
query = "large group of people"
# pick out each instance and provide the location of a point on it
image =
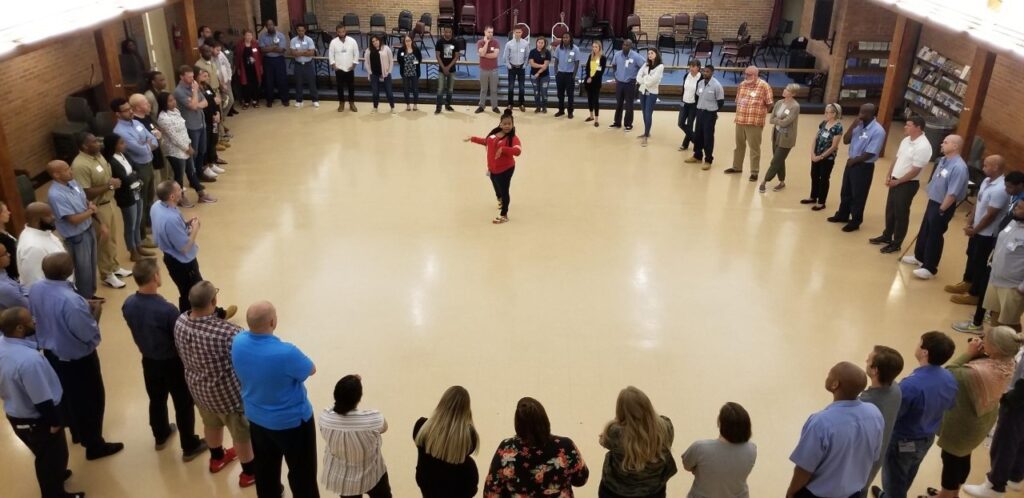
(251, 383)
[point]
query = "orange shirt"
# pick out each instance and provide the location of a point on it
(752, 102)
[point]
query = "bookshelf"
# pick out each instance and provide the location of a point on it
(937, 86)
(864, 72)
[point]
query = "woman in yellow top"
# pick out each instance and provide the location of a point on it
(593, 71)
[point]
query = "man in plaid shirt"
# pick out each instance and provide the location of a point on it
(753, 99)
(204, 345)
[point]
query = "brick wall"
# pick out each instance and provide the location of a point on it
(724, 16)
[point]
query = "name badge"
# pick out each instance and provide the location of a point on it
(753, 94)
(99, 168)
(629, 61)
(824, 134)
(136, 185)
(139, 127)
(414, 61)
(864, 136)
(1007, 229)
(700, 91)
(255, 49)
(491, 50)
(522, 50)
(599, 67)
(277, 40)
(572, 54)
(785, 112)
(944, 173)
(491, 136)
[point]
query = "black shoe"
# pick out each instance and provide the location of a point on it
(449, 108)
(876, 492)
(478, 110)
(105, 450)
(188, 456)
(559, 114)
(570, 115)
(889, 248)
(850, 227)
(629, 128)
(880, 240)
(615, 125)
(536, 111)
(67, 474)
(752, 177)
(162, 442)
(808, 201)
(836, 219)
(437, 110)
(496, 110)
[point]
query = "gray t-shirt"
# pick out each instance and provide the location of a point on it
(888, 400)
(720, 468)
(194, 120)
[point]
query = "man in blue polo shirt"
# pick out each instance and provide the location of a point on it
(280, 415)
(303, 49)
(947, 188)
(927, 393)
(866, 139)
(73, 216)
(627, 64)
(275, 70)
(839, 444)
(567, 64)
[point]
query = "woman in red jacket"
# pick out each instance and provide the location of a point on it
(249, 65)
(502, 147)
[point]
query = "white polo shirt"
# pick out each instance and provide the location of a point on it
(33, 246)
(912, 154)
(690, 88)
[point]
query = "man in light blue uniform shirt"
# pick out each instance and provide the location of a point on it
(275, 68)
(68, 334)
(32, 395)
(839, 444)
(567, 64)
(947, 188)
(515, 56)
(272, 373)
(866, 139)
(303, 49)
(627, 64)
(12, 294)
(73, 216)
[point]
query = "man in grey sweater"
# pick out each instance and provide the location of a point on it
(884, 364)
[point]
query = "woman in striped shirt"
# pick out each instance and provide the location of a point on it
(353, 464)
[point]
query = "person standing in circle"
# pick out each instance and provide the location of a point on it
(502, 147)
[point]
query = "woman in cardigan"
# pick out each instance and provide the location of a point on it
(378, 63)
(593, 72)
(785, 116)
(982, 375)
(649, 78)
(249, 65)
(178, 149)
(409, 60)
(127, 196)
(639, 461)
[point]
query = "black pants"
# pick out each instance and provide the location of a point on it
(979, 248)
(805, 493)
(184, 275)
(502, 183)
(565, 83)
(50, 450)
(704, 135)
(275, 77)
(897, 211)
(928, 249)
(305, 76)
(1007, 452)
(821, 178)
(163, 378)
(297, 446)
(186, 168)
(604, 492)
(517, 74)
(346, 80)
(212, 139)
(625, 96)
(84, 397)
(854, 193)
(687, 116)
(251, 87)
(594, 96)
(954, 471)
(380, 490)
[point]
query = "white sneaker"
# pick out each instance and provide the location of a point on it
(298, 105)
(316, 105)
(923, 274)
(1015, 485)
(910, 260)
(121, 272)
(217, 169)
(113, 281)
(983, 490)
(210, 173)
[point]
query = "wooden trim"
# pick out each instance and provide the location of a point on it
(9, 186)
(110, 64)
(977, 90)
(191, 27)
(901, 60)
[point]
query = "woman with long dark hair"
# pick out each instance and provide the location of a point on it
(649, 78)
(249, 66)
(409, 60)
(540, 75)
(128, 195)
(502, 148)
(353, 463)
(378, 63)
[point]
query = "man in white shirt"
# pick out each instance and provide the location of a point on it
(36, 242)
(982, 228)
(343, 54)
(914, 154)
(688, 107)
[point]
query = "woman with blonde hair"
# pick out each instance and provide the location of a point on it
(639, 441)
(982, 375)
(445, 441)
(823, 157)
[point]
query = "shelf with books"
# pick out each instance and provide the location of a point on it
(864, 72)
(937, 85)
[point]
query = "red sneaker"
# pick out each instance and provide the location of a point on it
(217, 465)
(246, 480)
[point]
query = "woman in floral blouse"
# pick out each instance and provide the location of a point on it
(535, 462)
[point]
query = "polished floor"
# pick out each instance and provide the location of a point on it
(621, 265)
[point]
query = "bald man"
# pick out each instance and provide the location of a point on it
(74, 215)
(946, 190)
(272, 373)
(35, 242)
(839, 444)
(753, 100)
(981, 230)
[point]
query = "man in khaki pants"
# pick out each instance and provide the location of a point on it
(753, 99)
(92, 173)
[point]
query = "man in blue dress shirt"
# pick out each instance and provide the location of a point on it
(12, 294)
(866, 139)
(516, 55)
(839, 444)
(927, 393)
(68, 334)
(627, 64)
(32, 395)
(272, 373)
(567, 64)
(275, 70)
(945, 191)
(73, 215)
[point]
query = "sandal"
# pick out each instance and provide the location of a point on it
(499, 220)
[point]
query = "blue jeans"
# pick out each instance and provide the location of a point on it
(647, 102)
(540, 90)
(375, 86)
(198, 138)
(900, 467)
(82, 248)
(411, 85)
(445, 85)
(132, 225)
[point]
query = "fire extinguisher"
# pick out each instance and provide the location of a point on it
(176, 35)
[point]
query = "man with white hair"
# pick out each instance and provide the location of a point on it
(753, 100)
(947, 188)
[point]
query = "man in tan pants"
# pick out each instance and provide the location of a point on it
(93, 174)
(753, 99)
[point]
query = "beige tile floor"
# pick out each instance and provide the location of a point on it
(372, 235)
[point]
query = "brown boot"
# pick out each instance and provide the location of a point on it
(146, 253)
(134, 256)
(960, 288)
(964, 299)
(341, 106)
(352, 106)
